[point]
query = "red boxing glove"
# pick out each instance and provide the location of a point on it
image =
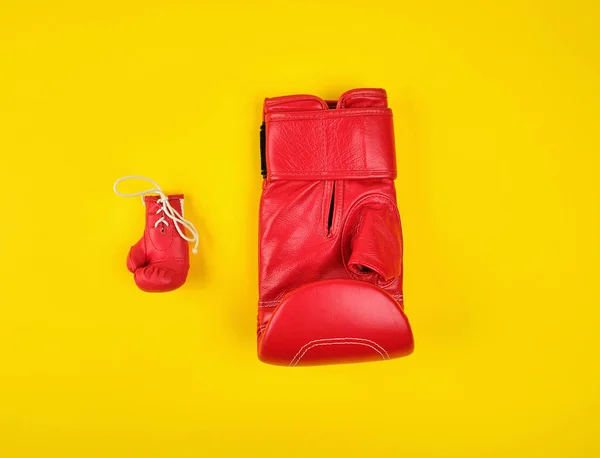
(159, 261)
(330, 238)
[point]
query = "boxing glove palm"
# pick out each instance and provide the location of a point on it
(330, 236)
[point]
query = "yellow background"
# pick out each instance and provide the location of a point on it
(497, 116)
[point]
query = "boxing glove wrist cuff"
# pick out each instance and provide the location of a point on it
(337, 144)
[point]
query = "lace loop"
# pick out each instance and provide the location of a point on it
(166, 209)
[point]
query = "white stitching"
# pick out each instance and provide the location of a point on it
(279, 116)
(279, 300)
(271, 304)
(268, 304)
(338, 341)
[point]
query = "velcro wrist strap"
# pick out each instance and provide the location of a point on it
(330, 145)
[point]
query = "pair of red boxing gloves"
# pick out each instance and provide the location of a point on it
(330, 236)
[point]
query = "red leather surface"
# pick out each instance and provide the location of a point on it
(336, 321)
(328, 224)
(330, 144)
(160, 259)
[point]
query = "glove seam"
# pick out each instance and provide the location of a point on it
(280, 117)
(323, 148)
(339, 341)
(262, 306)
(324, 173)
(158, 261)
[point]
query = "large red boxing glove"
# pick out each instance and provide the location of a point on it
(159, 261)
(330, 237)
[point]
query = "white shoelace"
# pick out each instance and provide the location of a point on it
(166, 209)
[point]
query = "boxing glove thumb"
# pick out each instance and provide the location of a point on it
(373, 241)
(137, 256)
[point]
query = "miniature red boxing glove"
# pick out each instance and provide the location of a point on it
(330, 237)
(159, 261)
